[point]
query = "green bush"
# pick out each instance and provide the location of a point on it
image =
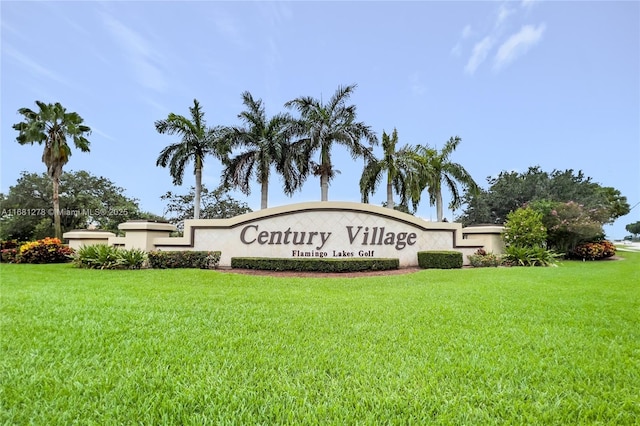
(47, 250)
(132, 258)
(102, 256)
(315, 264)
(524, 228)
(440, 259)
(482, 259)
(184, 259)
(529, 256)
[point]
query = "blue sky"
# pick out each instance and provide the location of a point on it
(523, 83)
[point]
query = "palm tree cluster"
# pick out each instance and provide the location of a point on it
(412, 169)
(290, 145)
(281, 143)
(293, 147)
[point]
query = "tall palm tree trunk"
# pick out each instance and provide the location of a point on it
(196, 199)
(324, 187)
(57, 226)
(264, 193)
(439, 212)
(390, 203)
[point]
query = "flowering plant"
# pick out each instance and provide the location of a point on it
(595, 250)
(47, 250)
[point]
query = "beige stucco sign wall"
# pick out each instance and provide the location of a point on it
(322, 229)
(317, 229)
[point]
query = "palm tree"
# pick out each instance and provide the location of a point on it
(438, 168)
(267, 143)
(197, 141)
(323, 124)
(401, 169)
(51, 126)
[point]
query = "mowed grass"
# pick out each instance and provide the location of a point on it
(473, 346)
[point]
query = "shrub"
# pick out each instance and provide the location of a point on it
(47, 250)
(482, 259)
(594, 250)
(315, 264)
(524, 228)
(9, 251)
(184, 259)
(529, 256)
(132, 258)
(102, 256)
(9, 255)
(440, 259)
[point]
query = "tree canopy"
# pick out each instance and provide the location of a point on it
(85, 200)
(323, 124)
(216, 204)
(196, 142)
(50, 126)
(266, 143)
(511, 190)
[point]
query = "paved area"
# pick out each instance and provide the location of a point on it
(627, 246)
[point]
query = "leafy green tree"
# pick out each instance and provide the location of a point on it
(322, 125)
(400, 166)
(217, 204)
(614, 202)
(437, 170)
(196, 142)
(633, 228)
(512, 190)
(50, 126)
(569, 224)
(267, 144)
(85, 200)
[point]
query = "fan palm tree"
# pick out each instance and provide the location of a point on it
(197, 141)
(401, 167)
(437, 169)
(51, 126)
(267, 144)
(321, 125)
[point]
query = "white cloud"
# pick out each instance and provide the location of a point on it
(503, 14)
(142, 56)
(33, 67)
(518, 44)
(480, 52)
(465, 34)
(527, 4)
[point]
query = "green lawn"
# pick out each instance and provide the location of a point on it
(472, 346)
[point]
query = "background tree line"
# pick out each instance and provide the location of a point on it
(84, 200)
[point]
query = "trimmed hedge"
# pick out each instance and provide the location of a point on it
(439, 259)
(315, 264)
(184, 259)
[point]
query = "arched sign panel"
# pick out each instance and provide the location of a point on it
(321, 229)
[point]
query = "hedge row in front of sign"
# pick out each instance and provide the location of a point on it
(440, 259)
(315, 264)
